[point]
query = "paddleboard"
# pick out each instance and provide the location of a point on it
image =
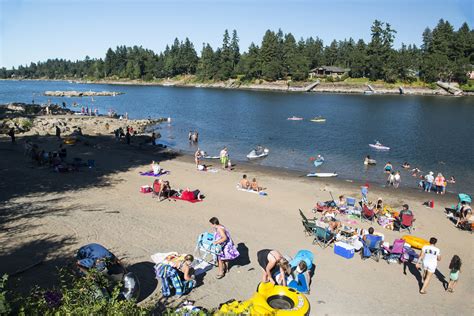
(211, 157)
(322, 174)
(380, 147)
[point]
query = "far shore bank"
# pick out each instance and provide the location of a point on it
(279, 86)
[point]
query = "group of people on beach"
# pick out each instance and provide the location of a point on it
(250, 185)
(427, 182)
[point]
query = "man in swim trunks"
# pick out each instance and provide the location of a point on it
(429, 257)
(244, 183)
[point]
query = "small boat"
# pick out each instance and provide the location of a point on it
(322, 174)
(379, 146)
(295, 118)
(258, 152)
(318, 119)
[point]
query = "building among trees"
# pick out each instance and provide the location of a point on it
(332, 71)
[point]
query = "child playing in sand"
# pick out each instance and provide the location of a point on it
(455, 267)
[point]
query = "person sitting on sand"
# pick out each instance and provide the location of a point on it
(165, 191)
(465, 215)
(155, 167)
(379, 206)
(185, 269)
(271, 261)
(244, 183)
(254, 185)
(341, 203)
(301, 278)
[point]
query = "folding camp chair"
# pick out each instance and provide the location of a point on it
(367, 214)
(395, 252)
(323, 236)
(156, 188)
(372, 247)
(308, 225)
(206, 250)
(406, 222)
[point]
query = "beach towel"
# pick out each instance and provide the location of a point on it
(180, 198)
(261, 193)
(169, 277)
(151, 174)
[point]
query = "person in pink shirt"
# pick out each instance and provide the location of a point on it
(439, 181)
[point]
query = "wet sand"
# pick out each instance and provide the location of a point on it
(45, 217)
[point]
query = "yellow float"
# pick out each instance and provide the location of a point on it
(415, 242)
(69, 141)
(270, 299)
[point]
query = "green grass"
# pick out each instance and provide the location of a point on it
(468, 87)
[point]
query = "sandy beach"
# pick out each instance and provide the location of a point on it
(46, 216)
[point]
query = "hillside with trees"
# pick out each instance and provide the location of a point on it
(445, 54)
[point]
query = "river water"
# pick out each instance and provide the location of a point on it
(431, 133)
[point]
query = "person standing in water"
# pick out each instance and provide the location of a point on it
(224, 156)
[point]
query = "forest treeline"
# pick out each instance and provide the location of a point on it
(445, 54)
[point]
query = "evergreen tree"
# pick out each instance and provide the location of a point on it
(234, 46)
(226, 65)
(269, 55)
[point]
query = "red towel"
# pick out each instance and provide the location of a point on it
(180, 198)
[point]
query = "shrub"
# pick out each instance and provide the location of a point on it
(77, 296)
(26, 123)
(4, 306)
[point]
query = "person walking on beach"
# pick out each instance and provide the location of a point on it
(224, 156)
(58, 132)
(197, 157)
(455, 268)
(429, 257)
(229, 251)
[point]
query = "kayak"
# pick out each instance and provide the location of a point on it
(379, 146)
(256, 153)
(322, 174)
(318, 119)
(294, 118)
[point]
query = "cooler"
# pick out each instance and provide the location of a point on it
(344, 250)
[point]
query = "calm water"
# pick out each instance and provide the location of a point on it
(432, 133)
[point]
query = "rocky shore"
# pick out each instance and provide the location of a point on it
(81, 93)
(29, 119)
(284, 86)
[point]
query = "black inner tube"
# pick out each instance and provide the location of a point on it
(280, 302)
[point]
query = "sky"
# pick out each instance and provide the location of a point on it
(35, 30)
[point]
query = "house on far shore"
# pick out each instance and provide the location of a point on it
(332, 71)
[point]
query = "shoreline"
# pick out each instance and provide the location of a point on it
(323, 88)
(61, 212)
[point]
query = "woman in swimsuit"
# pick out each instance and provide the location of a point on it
(229, 251)
(270, 260)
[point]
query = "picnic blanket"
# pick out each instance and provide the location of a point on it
(261, 193)
(151, 174)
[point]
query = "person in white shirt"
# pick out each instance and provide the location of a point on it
(429, 257)
(429, 181)
(155, 166)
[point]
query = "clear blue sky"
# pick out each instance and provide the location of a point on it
(35, 30)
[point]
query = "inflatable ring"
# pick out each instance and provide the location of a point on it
(270, 300)
(415, 242)
(69, 141)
